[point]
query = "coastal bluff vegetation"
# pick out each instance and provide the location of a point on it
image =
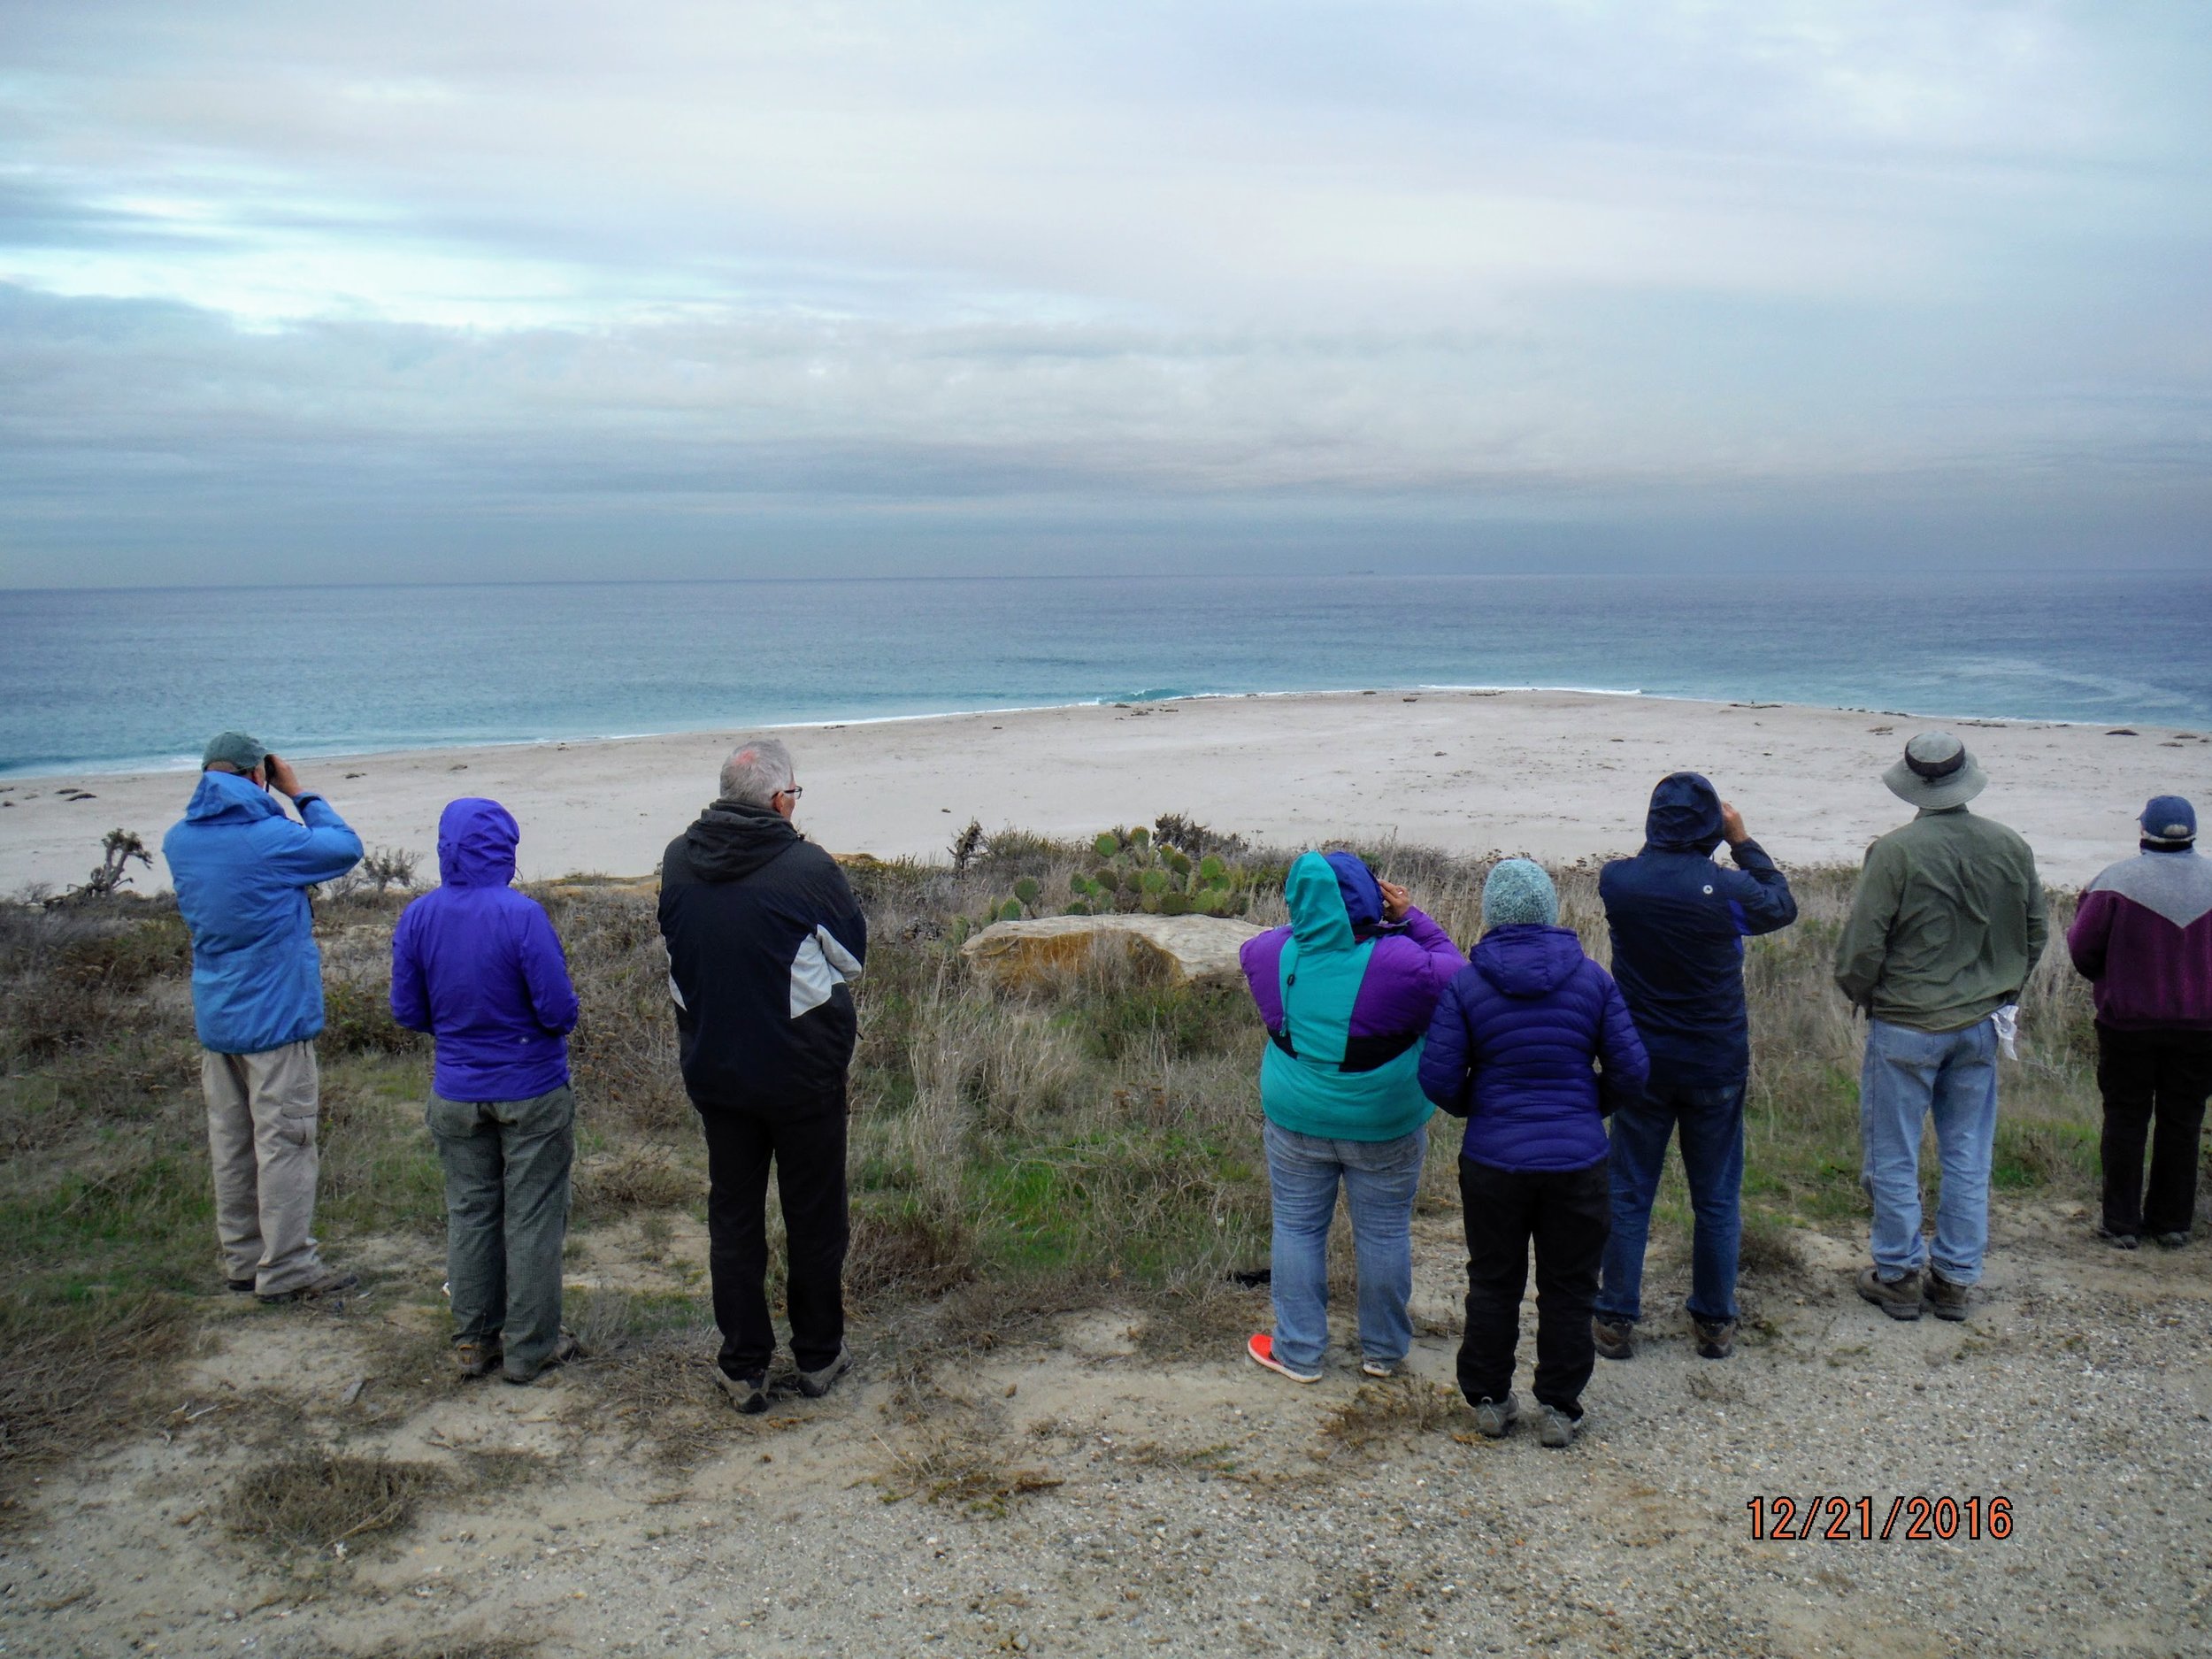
(1060, 1223)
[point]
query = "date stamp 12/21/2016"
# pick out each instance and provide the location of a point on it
(1917, 1518)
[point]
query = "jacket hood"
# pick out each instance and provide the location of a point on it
(476, 844)
(1528, 959)
(1685, 815)
(1362, 895)
(225, 795)
(731, 840)
(1319, 918)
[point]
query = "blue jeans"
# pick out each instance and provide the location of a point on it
(1711, 1121)
(1380, 1179)
(1907, 1075)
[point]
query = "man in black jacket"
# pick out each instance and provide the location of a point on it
(764, 938)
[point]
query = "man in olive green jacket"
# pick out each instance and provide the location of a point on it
(1945, 924)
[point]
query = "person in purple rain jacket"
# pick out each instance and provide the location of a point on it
(1532, 1045)
(477, 966)
(1345, 990)
(2143, 934)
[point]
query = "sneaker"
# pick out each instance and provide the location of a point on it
(2118, 1241)
(1946, 1300)
(815, 1384)
(2169, 1240)
(1616, 1338)
(747, 1394)
(1493, 1417)
(1899, 1297)
(1716, 1338)
(1556, 1429)
(565, 1348)
(476, 1358)
(240, 1287)
(1261, 1351)
(329, 1281)
(1372, 1367)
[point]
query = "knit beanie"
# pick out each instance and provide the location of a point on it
(1520, 891)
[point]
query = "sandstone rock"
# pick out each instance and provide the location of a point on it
(1192, 949)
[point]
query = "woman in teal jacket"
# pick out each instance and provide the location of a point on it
(1346, 991)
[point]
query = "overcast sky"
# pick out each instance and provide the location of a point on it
(346, 293)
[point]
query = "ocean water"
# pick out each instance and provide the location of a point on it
(109, 680)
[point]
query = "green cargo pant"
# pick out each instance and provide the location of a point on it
(506, 1203)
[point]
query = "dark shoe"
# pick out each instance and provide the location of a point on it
(1556, 1429)
(2169, 1240)
(239, 1286)
(329, 1281)
(815, 1384)
(2118, 1241)
(476, 1358)
(1716, 1338)
(747, 1394)
(565, 1348)
(1494, 1417)
(1615, 1338)
(1946, 1300)
(1899, 1297)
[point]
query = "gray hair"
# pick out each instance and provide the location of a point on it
(757, 769)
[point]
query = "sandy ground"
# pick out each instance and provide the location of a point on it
(1557, 774)
(1191, 1504)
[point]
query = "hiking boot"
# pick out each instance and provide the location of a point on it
(748, 1396)
(2169, 1240)
(1616, 1338)
(1946, 1300)
(240, 1287)
(1261, 1351)
(1899, 1297)
(2118, 1241)
(478, 1357)
(1716, 1338)
(815, 1384)
(1372, 1367)
(1493, 1417)
(327, 1281)
(565, 1348)
(1556, 1429)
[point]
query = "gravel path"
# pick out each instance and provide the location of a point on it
(1204, 1507)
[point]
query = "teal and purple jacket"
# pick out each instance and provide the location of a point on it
(1345, 999)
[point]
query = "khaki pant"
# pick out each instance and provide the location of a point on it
(261, 1141)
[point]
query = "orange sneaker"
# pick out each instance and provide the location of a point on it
(1261, 1351)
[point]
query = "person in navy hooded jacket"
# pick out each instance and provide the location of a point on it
(1678, 922)
(1512, 1050)
(477, 966)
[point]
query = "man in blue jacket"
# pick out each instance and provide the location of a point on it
(1679, 921)
(242, 868)
(477, 966)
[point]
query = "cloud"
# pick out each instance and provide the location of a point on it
(680, 261)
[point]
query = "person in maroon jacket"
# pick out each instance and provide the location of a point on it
(2143, 934)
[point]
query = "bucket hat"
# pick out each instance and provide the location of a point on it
(1936, 773)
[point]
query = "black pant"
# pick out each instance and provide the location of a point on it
(1568, 1213)
(2165, 1075)
(808, 1146)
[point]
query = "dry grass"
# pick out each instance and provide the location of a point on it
(1398, 1408)
(313, 1501)
(66, 1382)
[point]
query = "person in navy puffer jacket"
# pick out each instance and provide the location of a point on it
(1511, 1048)
(477, 966)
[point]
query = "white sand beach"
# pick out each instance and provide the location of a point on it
(1558, 775)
